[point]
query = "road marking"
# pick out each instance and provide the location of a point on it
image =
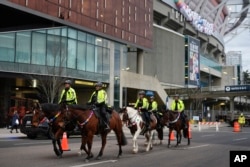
(205, 145)
(208, 135)
(95, 163)
(239, 139)
(19, 144)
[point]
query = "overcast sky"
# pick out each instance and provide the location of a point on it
(241, 42)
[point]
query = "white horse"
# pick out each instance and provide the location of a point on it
(134, 121)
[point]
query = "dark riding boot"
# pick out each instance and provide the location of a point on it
(106, 122)
(143, 130)
(183, 117)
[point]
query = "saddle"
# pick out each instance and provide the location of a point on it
(101, 123)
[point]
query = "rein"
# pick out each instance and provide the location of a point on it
(52, 119)
(176, 119)
(87, 120)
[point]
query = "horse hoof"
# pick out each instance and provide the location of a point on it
(86, 160)
(98, 158)
(59, 156)
(80, 153)
(135, 152)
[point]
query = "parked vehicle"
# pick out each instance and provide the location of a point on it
(42, 130)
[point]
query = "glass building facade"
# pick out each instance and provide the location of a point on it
(79, 54)
(75, 54)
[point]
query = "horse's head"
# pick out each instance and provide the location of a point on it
(124, 115)
(169, 116)
(38, 115)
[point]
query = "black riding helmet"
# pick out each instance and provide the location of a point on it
(67, 82)
(142, 92)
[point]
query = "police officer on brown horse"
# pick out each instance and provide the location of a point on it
(178, 106)
(99, 98)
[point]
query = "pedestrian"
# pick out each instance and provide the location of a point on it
(178, 106)
(68, 94)
(99, 99)
(241, 121)
(15, 122)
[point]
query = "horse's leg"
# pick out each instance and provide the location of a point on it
(104, 139)
(89, 140)
(169, 135)
(81, 150)
(178, 137)
(58, 136)
(147, 139)
(160, 135)
(54, 142)
(120, 139)
(150, 144)
(135, 144)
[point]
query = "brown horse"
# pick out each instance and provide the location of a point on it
(88, 121)
(132, 117)
(173, 121)
(58, 125)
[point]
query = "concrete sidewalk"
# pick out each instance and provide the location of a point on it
(5, 133)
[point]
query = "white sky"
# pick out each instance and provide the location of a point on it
(240, 42)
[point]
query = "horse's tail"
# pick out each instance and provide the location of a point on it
(185, 132)
(160, 133)
(123, 140)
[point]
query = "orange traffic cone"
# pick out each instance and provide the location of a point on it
(236, 127)
(172, 136)
(64, 143)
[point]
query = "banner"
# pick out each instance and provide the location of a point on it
(193, 61)
(200, 24)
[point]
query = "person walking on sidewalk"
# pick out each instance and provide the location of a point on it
(14, 122)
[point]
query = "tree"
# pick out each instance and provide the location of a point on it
(246, 77)
(49, 84)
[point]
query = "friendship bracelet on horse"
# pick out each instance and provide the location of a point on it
(132, 117)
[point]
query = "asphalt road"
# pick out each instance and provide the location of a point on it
(208, 148)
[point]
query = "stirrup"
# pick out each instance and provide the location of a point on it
(143, 130)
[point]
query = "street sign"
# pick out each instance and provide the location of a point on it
(237, 88)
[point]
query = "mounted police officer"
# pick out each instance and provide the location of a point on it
(99, 98)
(153, 108)
(68, 94)
(178, 106)
(142, 105)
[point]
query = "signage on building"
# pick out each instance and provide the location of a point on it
(193, 60)
(237, 88)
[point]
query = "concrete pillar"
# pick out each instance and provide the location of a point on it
(110, 90)
(232, 107)
(140, 61)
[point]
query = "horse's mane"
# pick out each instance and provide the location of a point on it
(131, 110)
(77, 106)
(50, 107)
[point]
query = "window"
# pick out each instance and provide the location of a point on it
(81, 56)
(38, 48)
(23, 47)
(71, 63)
(90, 58)
(7, 45)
